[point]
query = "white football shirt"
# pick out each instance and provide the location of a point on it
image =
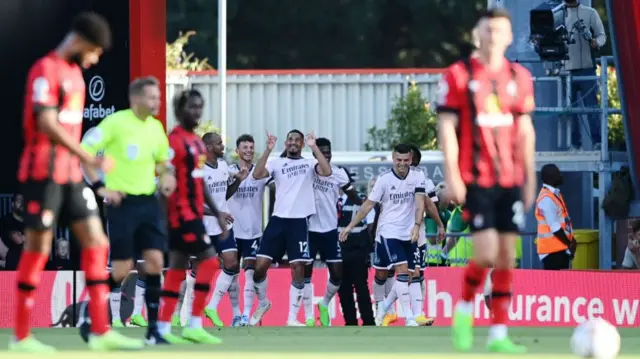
(397, 197)
(293, 178)
(327, 191)
(246, 206)
(216, 181)
(430, 190)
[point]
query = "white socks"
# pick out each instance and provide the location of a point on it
(415, 293)
(138, 302)
(222, 286)
(332, 289)
(261, 292)
(402, 290)
(307, 299)
(295, 297)
(234, 296)
(249, 292)
(389, 286)
(497, 332)
(189, 294)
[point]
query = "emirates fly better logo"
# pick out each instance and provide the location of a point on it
(96, 110)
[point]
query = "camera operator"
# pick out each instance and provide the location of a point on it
(587, 32)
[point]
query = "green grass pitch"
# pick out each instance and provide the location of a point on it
(326, 343)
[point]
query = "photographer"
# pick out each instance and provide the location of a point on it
(587, 32)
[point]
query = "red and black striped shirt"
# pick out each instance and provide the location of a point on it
(52, 83)
(188, 157)
(488, 105)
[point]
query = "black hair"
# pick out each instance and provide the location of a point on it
(296, 131)
(402, 148)
(244, 138)
(284, 152)
(416, 155)
(93, 28)
(635, 226)
(323, 142)
(494, 13)
(549, 174)
(180, 100)
(208, 137)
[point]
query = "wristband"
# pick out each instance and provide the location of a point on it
(97, 185)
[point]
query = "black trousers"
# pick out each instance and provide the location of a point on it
(355, 277)
(556, 261)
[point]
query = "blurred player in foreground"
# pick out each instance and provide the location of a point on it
(400, 192)
(288, 226)
(488, 142)
(187, 233)
(52, 182)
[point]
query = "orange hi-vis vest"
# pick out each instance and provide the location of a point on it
(547, 241)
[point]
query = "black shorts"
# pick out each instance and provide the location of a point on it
(494, 208)
(46, 201)
(136, 225)
(189, 238)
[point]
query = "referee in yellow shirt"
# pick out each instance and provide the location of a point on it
(138, 143)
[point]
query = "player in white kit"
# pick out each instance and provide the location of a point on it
(246, 208)
(218, 177)
(287, 229)
(401, 195)
(323, 234)
(417, 286)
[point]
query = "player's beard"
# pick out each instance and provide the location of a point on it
(76, 59)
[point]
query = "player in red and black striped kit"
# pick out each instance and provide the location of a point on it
(488, 142)
(52, 183)
(187, 236)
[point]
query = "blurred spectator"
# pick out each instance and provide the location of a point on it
(555, 242)
(355, 257)
(632, 253)
(61, 259)
(12, 233)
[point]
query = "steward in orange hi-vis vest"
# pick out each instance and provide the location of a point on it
(546, 240)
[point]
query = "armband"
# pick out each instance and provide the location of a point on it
(97, 185)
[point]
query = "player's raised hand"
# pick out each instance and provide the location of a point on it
(241, 174)
(311, 139)
(271, 141)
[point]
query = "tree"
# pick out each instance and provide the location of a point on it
(178, 59)
(412, 121)
(615, 122)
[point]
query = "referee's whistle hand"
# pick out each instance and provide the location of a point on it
(112, 198)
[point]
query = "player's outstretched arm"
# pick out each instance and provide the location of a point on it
(528, 137)
(323, 168)
(366, 207)
(261, 170)
(48, 123)
(448, 139)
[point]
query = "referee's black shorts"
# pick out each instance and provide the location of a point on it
(136, 225)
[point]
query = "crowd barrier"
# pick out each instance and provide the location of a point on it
(541, 298)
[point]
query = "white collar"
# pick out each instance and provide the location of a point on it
(551, 188)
